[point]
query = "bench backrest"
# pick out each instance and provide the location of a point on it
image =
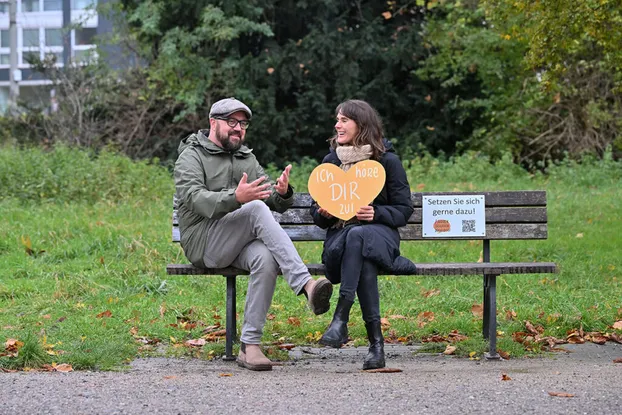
(509, 215)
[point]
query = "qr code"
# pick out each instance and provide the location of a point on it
(468, 226)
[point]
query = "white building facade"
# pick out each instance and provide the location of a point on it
(40, 33)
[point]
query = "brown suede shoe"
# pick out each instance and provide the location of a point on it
(255, 360)
(319, 297)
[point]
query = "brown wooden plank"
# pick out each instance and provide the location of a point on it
(490, 268)
(495, 198)
(494, 231)
(413, 232)
(301, 216)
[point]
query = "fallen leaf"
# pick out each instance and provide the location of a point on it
(435, 338)
(103, 314)
(287, 346)
(510, 315)
(533, 330)
(384, 322)
(449, 350)
(398, 317)
(477, 310)
(195, 342)
(270, 71)
(618, 360)
(618, 325)
(454, 336)
(597, 338)
(63, 367)
(579, 235)
(386, 15)
(504, 376)
(384, 370)
(225, 375)
(211, 328)
(169, 377)
(270, 316)
(430, 293)
(294, 321)
(504, 355)
(561, 394)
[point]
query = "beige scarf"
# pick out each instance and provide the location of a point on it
(350, 155)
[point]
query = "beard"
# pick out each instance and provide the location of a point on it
(225, 139)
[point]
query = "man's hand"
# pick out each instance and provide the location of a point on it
(247, 192)
(324, 213)
(365, 213)
(282, 182)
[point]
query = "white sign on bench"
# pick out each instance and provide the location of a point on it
(453, 216)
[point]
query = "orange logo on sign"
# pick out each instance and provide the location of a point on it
(341, 193)
(441, 225)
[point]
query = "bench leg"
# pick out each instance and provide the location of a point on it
(230, 323)
(490, 316)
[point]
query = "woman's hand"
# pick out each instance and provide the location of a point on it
(324, 213)
(365, 213)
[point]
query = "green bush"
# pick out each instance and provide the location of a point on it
(66, 174)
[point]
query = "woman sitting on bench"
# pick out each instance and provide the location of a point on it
(355, 250)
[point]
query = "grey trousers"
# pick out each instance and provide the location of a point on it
(249, 238)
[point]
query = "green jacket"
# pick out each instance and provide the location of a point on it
(206, 177)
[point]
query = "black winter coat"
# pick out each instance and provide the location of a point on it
(392, 208)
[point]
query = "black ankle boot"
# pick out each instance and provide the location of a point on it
(375, 355)
(336, 335)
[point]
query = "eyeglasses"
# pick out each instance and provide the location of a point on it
(232, 122)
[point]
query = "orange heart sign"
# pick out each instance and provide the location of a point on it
(341, 193)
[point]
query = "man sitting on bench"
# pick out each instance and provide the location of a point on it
(224, 201)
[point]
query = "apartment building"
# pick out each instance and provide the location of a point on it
(40, 33)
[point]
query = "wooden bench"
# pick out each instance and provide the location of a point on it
(510, 215)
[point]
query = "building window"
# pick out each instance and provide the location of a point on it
(4, 7)
(4, 39)
(56, 56)
(85, 36)
(30, 37)
(53, 37)
(82, 4)
(52, 5)
(30, 56)
(30, 5)
(84, 56)
(5, 59)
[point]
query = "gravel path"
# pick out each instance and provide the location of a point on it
(324, 381)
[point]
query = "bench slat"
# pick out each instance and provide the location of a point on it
(500, 198)
(295, 216)
(459, 268)
(413, 232)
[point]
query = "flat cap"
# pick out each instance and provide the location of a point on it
(228, 106)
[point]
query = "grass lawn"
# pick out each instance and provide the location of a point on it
(84, 245)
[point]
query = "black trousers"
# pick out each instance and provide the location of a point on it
(359, 276)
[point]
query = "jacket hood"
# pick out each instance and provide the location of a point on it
(199, 139)
(388, 145)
